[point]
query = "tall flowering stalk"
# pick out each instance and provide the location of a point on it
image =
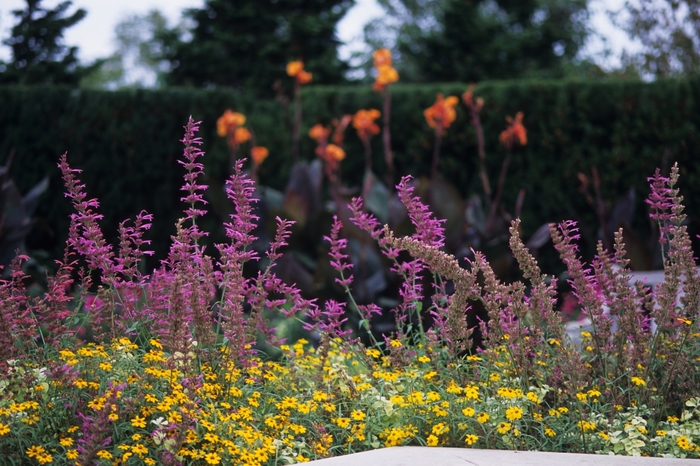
(230, 126)
(514, 135)
(474, 106)
(295, 69)
(363, 122)
(386, 75)
(440, 116)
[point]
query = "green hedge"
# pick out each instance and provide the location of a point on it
(127, 143)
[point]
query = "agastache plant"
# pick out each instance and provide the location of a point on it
(190, 301)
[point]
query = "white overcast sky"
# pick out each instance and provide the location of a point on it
(94, 34)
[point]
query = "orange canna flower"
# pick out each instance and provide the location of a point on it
(382, 57)
(318, 132)
(294, 68)
(334, 152)
(363, 122)
(442, 112)
(228, 122)
(339, 129)
(241, 135)
(386, 75)
(258, 154)
(304, 77)
(468, 99)
(515, 133)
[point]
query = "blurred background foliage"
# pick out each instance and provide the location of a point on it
(595, 132)
(127, 144)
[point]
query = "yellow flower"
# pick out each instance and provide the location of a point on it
(550, 432)
(342, 422)
(483, 418)
(661, 433)
(513, 413)
(554, 342)
(4, 429)
(582, 396)
(139, 422)
(503, 427)
(637, 381)
(672, 419)
(140, 450)
(683, 442)
(470, 439)
(358, 415)
(468, 411)
(104, 454)
(431, 441)
(72, 454)
(35, 450)
(532, 397)
(494, 377)
(212, 458)
(585, 426)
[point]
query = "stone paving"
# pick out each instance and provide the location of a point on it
(427, 456)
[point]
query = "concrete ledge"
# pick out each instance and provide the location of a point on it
(428, 456)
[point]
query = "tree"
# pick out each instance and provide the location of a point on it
(247, 43)
(668, 32)
(38, 53)
(137, 61)
(473, 40)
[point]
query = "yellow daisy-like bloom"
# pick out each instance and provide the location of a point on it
(549, 432)
(358, 415)
(672, 419)
(661, 433)
(582, 397)
(212, 458)
(104, 454)
(483, 418)
(139, 449)
(585, 426)
(4, 429)
(503, 427)
(468, 412)
(423, 359)
(470, 439)
(638, 381)
(72, 454)
(44, 458)
(431, 441)
(139, 422)
(513, 413)
(342, 422)
(35, 450)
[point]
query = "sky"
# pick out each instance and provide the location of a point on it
(94, 35)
